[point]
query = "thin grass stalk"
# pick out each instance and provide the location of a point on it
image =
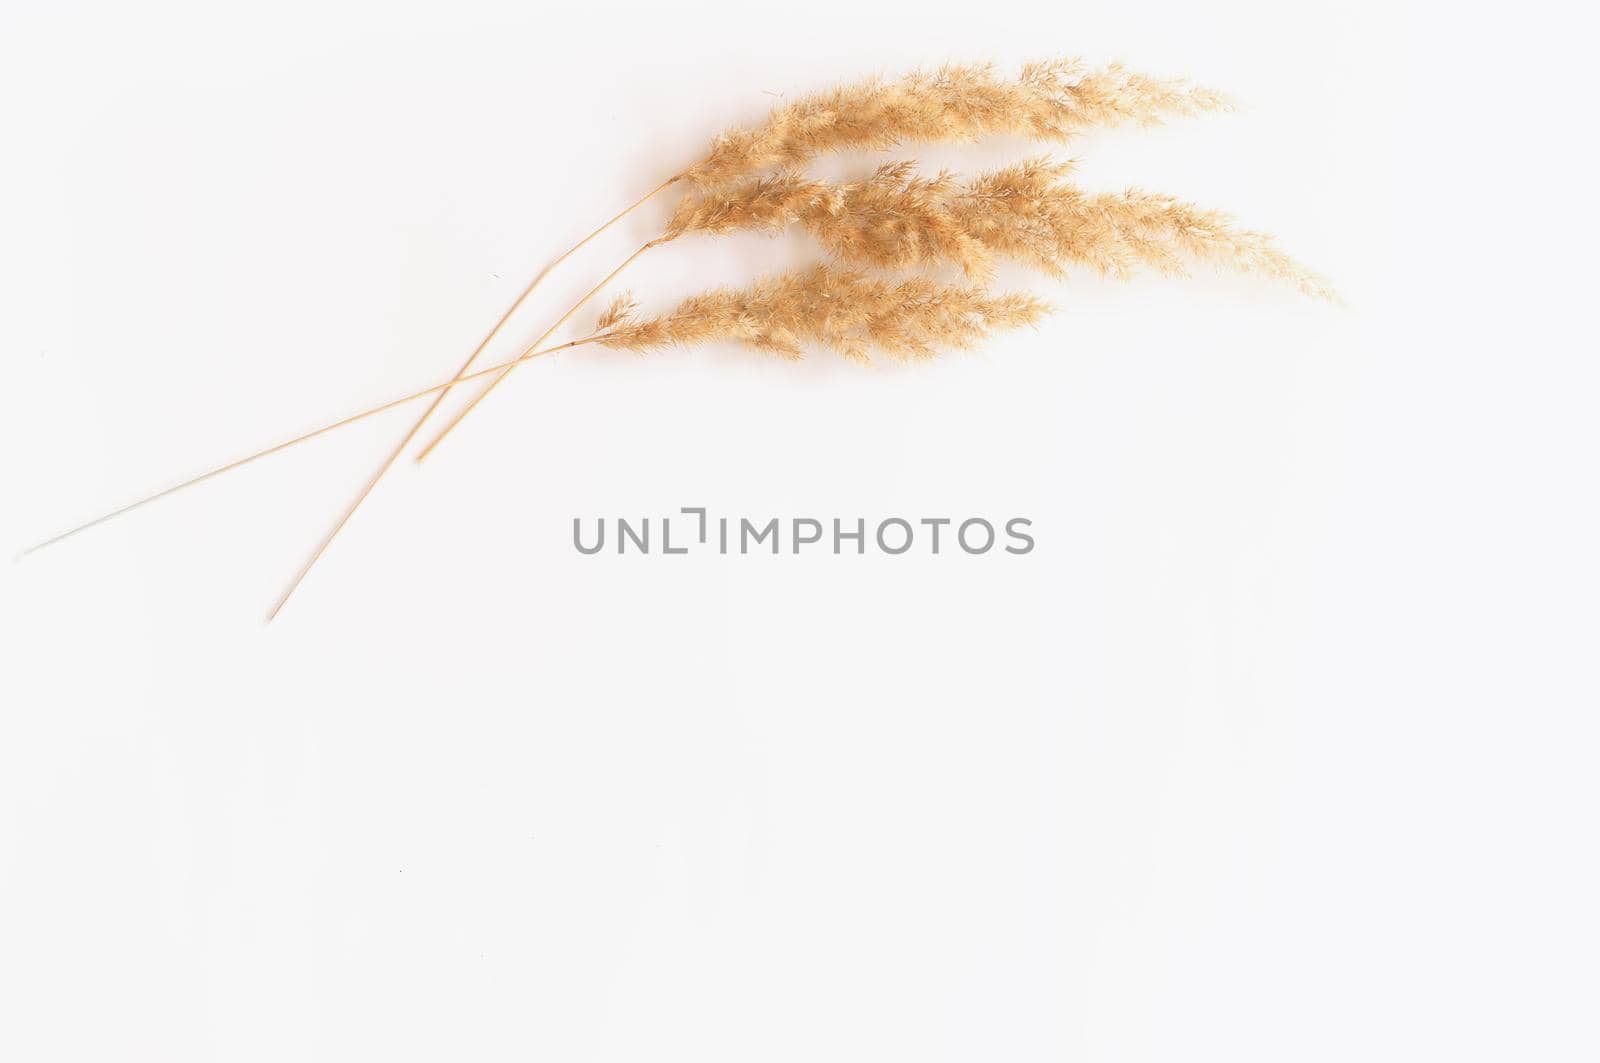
(422, 455)
(400, 448)
(527, 355)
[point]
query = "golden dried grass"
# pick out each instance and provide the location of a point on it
(1047, 101)
(894, 220)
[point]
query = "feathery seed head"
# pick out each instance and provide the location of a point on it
(954, 103)
(849, 311)
(1028, 213)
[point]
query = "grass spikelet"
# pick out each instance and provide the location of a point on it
(622, 309)
(892, 219)
(1049, 101)
(765, 204)
(1071, 97)
(896, 220)
(847, 310)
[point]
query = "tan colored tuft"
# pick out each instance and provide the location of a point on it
(622, 309)
(765, 204)
(1048, 101)
(1172, 226)
(892, 219)
(896, 220)
(852, 312)
(1030, 214)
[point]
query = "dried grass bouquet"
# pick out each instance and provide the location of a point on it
(866, 294)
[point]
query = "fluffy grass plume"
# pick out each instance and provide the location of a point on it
(1047, 101)
(1028, 213)
(847, 310)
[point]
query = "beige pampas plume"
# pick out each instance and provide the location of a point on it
(1027, 213)
(850, 311)
(1048, 101)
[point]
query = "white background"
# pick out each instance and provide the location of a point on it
(1280, 745)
